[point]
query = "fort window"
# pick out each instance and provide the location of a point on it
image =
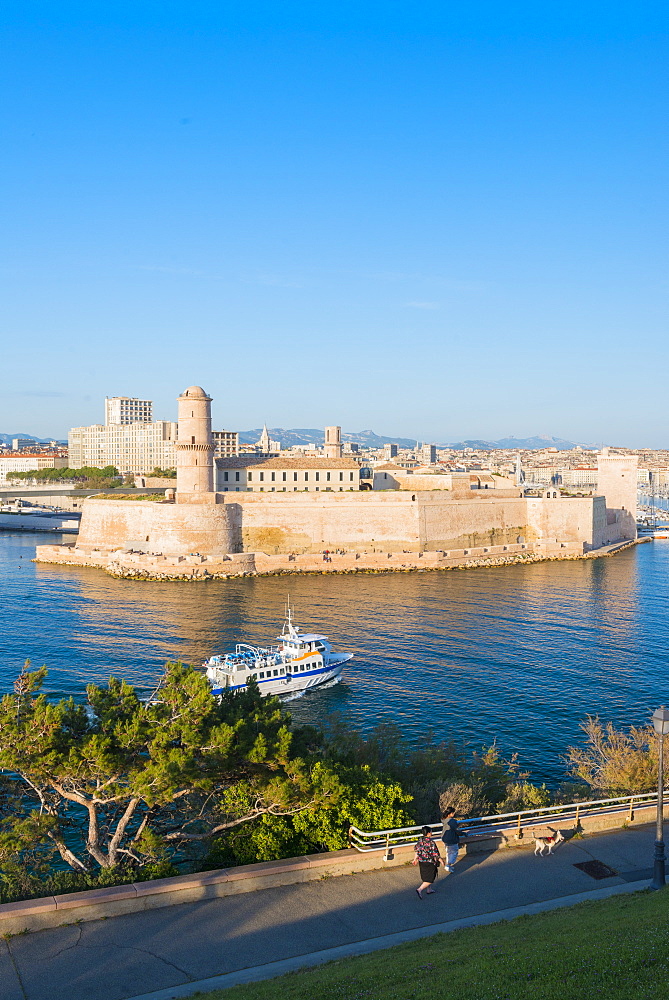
(273, 476)
(192, 440)
(250, 476)
(341, 477)
(306, 477)
(318, 476)
(327, 476)
(236, 477)
(295, 477)
(225, 477)
(283, 476)
(262, 477)
(350, 476)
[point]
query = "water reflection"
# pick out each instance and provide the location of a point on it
(518, 654)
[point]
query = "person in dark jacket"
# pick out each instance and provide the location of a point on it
(428, 858)
(451, 839)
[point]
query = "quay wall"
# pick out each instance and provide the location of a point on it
(98, 904)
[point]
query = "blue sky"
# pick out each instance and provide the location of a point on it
(437, 221)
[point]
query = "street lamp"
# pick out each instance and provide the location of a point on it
(661, 726)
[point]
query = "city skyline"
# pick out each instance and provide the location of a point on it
(440, 224)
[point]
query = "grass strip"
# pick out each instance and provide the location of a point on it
(613, 948)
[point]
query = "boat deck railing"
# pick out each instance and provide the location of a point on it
(570, 813)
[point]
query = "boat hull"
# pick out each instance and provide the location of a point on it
(294, 683)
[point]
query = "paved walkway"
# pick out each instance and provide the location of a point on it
(141, 953)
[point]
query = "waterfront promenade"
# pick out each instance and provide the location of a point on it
(175, 950)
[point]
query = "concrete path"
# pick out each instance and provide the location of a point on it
(142, 953)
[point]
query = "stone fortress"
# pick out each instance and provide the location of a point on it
(242, 515)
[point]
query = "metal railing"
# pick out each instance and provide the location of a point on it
(572, 813)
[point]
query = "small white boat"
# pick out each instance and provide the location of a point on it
(302, 660)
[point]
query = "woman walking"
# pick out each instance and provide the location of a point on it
(428, 859)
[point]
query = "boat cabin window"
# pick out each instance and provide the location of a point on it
(276, 673)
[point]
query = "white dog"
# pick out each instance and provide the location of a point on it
(541, 843)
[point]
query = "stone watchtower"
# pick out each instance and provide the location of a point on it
(333, 446)
(195, 446)
(617, 481)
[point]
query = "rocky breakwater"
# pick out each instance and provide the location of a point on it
(135, 565)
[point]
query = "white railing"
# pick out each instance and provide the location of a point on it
(366, 841)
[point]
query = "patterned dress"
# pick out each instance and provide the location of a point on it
(428, 857)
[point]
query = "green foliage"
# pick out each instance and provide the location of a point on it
(522, 795)
(126, 782)
(88, 473)
(356, 796)
(164, 473)
(614, 762)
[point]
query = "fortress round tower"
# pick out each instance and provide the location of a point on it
(194, 446)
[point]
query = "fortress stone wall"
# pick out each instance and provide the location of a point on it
(311, 522)
(200, 523)
(168, 528)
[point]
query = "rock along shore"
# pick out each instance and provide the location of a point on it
(152, 567)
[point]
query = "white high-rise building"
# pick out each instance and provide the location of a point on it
(138, 448)
(128, 410)
(129, 439)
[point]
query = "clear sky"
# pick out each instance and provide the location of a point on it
(439, 221)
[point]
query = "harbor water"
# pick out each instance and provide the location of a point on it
(519, 655)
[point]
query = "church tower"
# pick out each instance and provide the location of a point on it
(332, 447)
(195, 446)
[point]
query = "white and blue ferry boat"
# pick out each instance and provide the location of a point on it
(302, 660)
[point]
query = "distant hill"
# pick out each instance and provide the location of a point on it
(520, 444)
(312, 435)
(370, 439)
(8, 438)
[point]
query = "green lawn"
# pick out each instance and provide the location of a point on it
(614, 948)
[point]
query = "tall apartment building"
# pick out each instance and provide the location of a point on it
(137, 448)
(128, 410)
(132, 441)
(226, 443)
(428, 454)
(129, 439)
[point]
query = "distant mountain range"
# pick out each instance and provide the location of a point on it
(8, 438)
(312, 435)
(520, 444)
(369, 439)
